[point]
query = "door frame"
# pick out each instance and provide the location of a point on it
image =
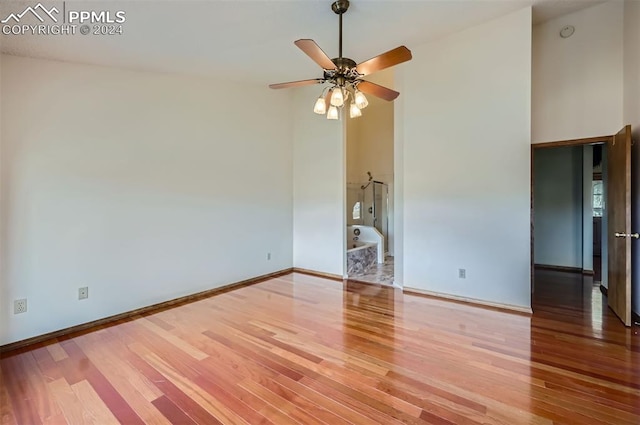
(545, 145)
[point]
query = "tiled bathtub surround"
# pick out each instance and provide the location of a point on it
(379, 273)
(366, 234)
(361, 259)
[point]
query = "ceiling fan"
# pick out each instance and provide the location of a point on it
(345, 76)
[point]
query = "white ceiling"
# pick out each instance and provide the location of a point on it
(252, 40)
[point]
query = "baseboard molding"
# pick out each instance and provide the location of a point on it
(318, 274)
(635, 318)
(129, 315)
(604, 290)
(509, 308)
(559, 268)
(588, 272)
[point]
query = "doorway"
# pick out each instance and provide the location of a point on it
(369, 193)
(570, 210)
(580, 194)
(569, 216)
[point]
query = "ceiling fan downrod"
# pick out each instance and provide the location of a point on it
(340, 7)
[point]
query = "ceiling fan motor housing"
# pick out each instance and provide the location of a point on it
(345, 72)
(344, 63)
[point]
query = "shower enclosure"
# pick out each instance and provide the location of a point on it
(370, 207)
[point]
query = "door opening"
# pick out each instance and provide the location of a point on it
(580, 193)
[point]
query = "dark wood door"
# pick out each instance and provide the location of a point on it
(619, 226)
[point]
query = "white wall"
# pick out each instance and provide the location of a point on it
(398, 179)
(354, 181)
(632, 116)
(577, 82)
(4, 303)
(370, 140)
(319, 192)
(558, 212)
(466, 152)
(143, 187)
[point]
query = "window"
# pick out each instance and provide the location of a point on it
(356, 211)
(598, 198)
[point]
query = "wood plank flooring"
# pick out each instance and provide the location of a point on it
(305, 350)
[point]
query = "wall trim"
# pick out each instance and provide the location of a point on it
(130, 315)
(604, 290)
(566, 269)
(635, 318)
(572, 142)
(509, 308)
(318, 274)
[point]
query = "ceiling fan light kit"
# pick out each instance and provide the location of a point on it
(321, 106)
(354, 111)
(345, 76)
(337, 97)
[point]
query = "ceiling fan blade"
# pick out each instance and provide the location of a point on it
(315, 52)
(385, 60)
(377, 90)
(297, 83)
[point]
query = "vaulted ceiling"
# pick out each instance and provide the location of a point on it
(253, 40)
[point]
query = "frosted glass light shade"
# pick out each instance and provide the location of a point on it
(354, 111)
(337, 98)
(361, 100)
(320, 106)
(333, 113)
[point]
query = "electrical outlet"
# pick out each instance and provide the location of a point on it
(20, 306)
(268, 256)
(462, 273)
(83, 293)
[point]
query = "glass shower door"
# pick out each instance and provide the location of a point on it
(381, 211)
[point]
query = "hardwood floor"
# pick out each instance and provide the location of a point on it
(302, 349)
